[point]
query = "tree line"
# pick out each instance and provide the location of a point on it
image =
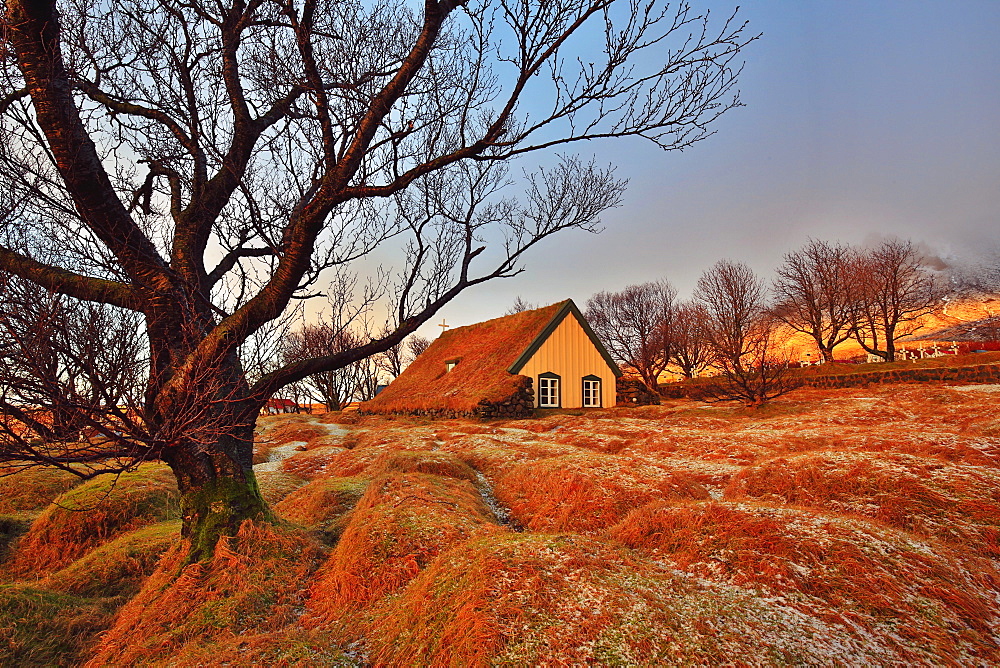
(736, 321)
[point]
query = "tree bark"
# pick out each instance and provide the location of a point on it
(218, 490)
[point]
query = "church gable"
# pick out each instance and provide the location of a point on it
(569, 366)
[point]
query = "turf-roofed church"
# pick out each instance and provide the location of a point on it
(505, 367)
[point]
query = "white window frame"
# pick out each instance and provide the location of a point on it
(594, 387)
(548, 391)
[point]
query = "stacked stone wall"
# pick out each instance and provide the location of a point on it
(520, 404)
(631, 391)
(982, 373)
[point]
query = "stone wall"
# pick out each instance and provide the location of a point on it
(633, 392)
(981, 373)
(520, 404)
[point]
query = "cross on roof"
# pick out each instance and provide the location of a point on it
(444, 325)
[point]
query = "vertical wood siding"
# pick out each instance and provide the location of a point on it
(570, 353)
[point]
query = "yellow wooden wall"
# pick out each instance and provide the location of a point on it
(571, 354)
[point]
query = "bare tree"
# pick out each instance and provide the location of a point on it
(519, 306)
(814, 293)
(742, 331)
(689, 339)
(69, 371)
(393, 359)
(366, 379)
(202, 163)
(896, 290)
(392, 362)
(335, 387)
(634, 324)
(416, 345)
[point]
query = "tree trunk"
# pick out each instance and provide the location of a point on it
(827, 354)
(218, 488)
(206, 419)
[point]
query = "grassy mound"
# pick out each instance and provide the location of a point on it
(322, 504)
(44, 628)
(93, 513)
(569, 600)
(118, 567)
(960, 503)
(252, 585)
(276, 485)
(586, 492)
(33, 489)
(402, 522)
(851, 572)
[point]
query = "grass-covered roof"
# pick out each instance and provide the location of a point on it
(483, 353)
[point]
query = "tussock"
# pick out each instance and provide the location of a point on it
(276, 485)
(570, 600)
(401, 523)
(321, 504)
(118, 567)
(586, 492)
(44, 628)
(960, 503)
(93, 513)
(846, 571)
(33, 489)
(253, 584)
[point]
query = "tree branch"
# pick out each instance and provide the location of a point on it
(69, 283)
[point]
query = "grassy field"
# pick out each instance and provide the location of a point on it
(844, 527)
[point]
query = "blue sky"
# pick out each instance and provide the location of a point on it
(862, 119)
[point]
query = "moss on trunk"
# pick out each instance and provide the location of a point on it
(216, 508)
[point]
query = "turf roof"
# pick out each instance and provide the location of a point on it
(484, 352)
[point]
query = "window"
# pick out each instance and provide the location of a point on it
(548, 390)
(591, 392)
(449, 365)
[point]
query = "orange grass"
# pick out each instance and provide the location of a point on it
(93, 513)
(844, 570)
(276, 485)
(321, 504)
(586, 492)
(927, 496)
(254, 583)
(567, 600)
(402, 522)
(33, 489)
(117, 567)
(849, 527)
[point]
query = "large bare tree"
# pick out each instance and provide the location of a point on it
(634, 325)
(896, 289)
(815, 293)
(201, 164)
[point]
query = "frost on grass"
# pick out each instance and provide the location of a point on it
(848, 527)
